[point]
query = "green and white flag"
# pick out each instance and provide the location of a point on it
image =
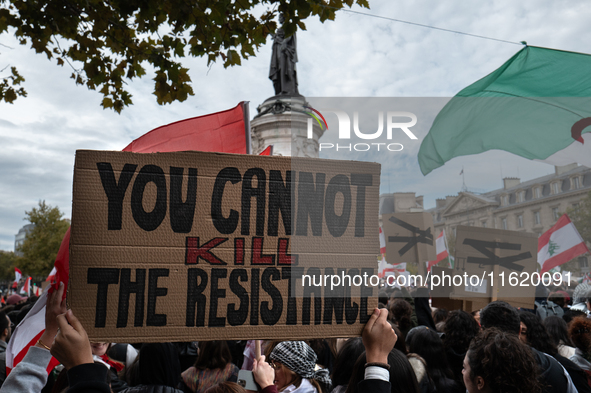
(537, 105)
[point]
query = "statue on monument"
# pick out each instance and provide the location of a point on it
(283, 63)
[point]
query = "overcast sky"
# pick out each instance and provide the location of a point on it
(354, 56)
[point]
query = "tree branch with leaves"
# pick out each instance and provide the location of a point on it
(107, 43)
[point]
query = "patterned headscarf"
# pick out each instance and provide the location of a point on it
(301, 359)
(580, 292)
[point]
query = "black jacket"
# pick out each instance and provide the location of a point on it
(374, 386)
(552, 373)
(576, 374)
(88, 378)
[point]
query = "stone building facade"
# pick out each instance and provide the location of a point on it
(532, 206)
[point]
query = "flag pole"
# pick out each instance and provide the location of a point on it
(464, 188)
(257, 349)
(246, 114)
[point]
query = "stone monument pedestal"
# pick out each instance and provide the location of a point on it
(283, 121)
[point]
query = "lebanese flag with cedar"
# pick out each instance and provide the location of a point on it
(441, 250)
(386, 269)
(560, 244)
(226, 132)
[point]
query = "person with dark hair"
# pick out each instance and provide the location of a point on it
(159, 369)
(536, 334)
(504, 317)
(213, 365)
(326, 352)
(5, 331)
(500, 315)
(295, 369)
(460, 329)
(557, 298)
(498, 362)
(344, 363)
(580, 333)
(571, 314)
(537, 337)
(440, 315)
(402, 312)
(402, 376)
(558, 331)
(400, 344)
(426, 343)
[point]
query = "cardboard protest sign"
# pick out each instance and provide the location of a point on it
(409, 238)
(204, 246)
(502, 265)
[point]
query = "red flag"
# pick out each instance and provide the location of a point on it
(62, 264)
(267, 152)
(227, 131)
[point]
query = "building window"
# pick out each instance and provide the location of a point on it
(537, 218)
(504, 200)
(520, 221)
(555, 188)
(575, 183)
(583, 262)
(537, 192)
(555, 213)
(521, 196)
(504, 223)
(484, 224)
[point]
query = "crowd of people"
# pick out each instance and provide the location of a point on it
(406, 346)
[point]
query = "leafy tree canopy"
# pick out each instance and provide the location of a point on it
(43, 241)
(109, 42)
(8, 261)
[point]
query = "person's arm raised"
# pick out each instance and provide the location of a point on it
(378, 337)
(55, 306)
(72, 348)
(263, 373)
